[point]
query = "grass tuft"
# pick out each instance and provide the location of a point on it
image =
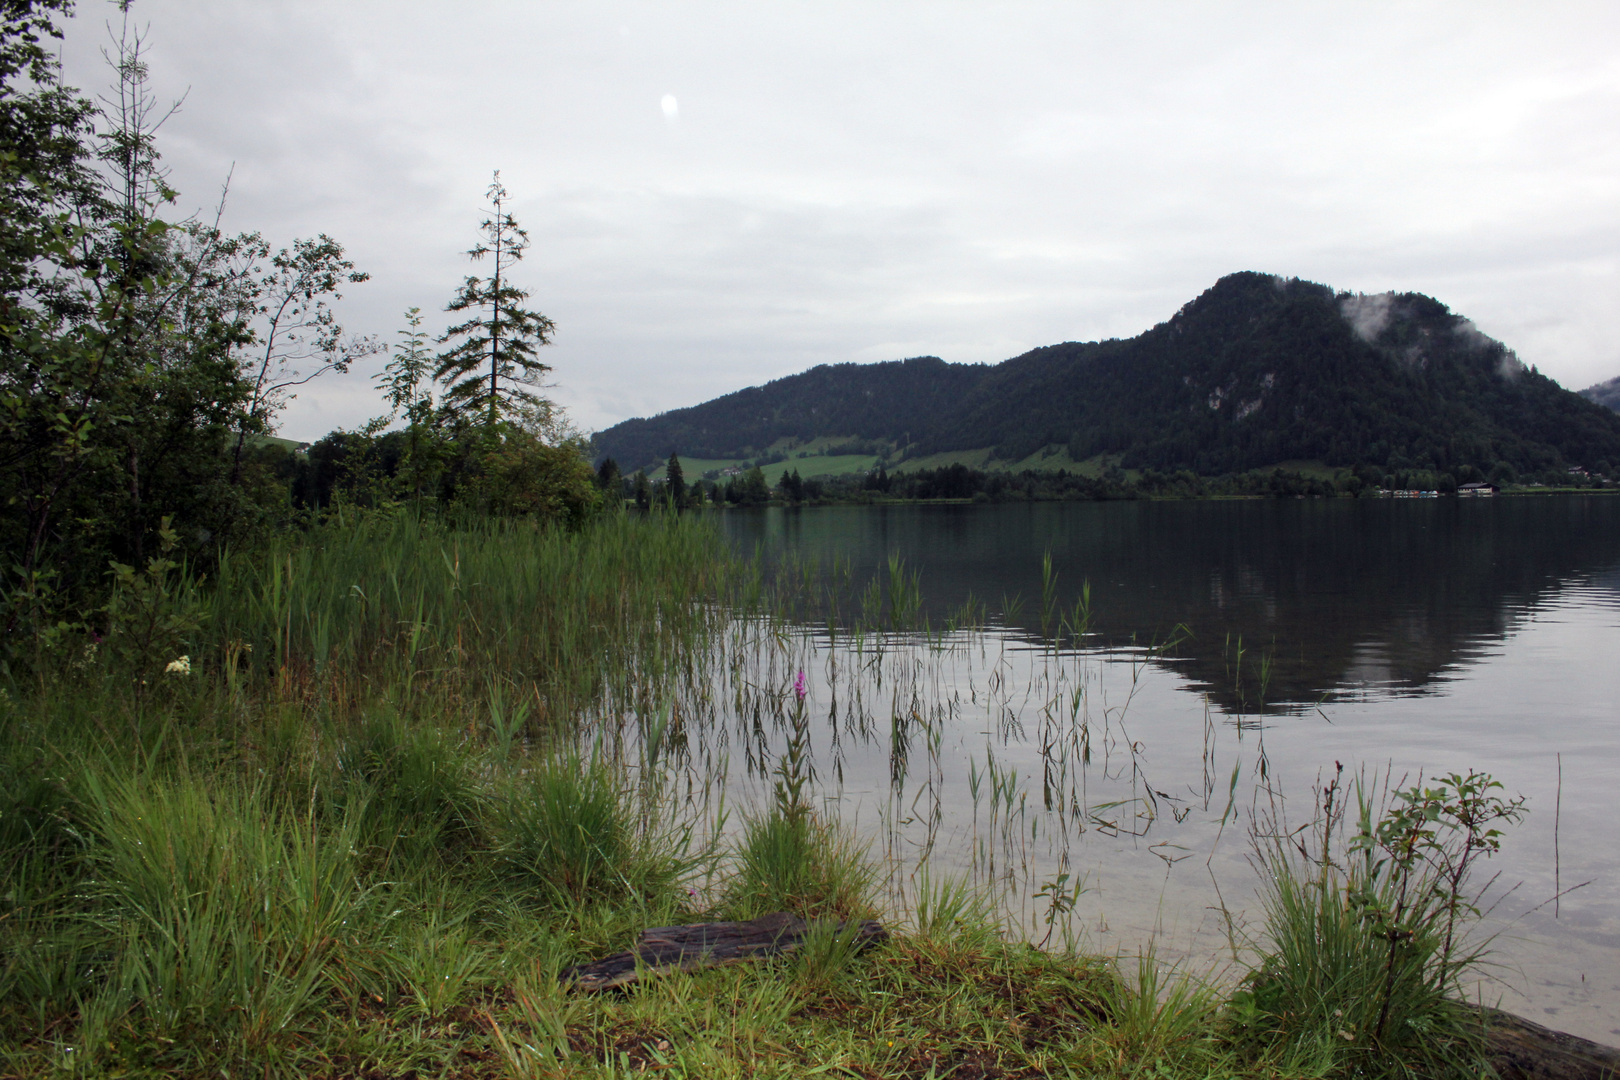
(215, 912)
(792, 862)
(571, 829)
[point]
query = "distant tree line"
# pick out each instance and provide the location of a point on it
(961, 483)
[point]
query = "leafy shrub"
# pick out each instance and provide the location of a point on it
(522, 475)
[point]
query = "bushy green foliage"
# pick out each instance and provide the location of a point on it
(143, 362)
(519, 474)
(141, 358)
(749, 489)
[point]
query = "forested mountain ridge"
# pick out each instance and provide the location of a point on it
(1256, 370)
(889, 401)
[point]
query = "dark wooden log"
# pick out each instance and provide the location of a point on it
(1521, 1050)
(702, 945)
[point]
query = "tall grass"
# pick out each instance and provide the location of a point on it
(799, 864)
(216, 908)
(571, 829)
(1365, 943)
(362, 788)
(553, 618)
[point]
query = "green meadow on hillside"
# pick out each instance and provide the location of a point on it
(812, 462)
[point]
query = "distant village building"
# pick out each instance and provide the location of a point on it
(1476, 490)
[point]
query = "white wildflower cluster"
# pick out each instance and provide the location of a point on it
(86, 658)
(181, 666)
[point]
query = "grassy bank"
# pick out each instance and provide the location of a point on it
(350, 807)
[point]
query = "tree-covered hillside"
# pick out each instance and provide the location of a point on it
(1255, 371)
(865, 401)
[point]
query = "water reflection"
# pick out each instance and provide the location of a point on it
(1284, 603)
(1401, 639)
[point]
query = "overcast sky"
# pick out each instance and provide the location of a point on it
(719, 195)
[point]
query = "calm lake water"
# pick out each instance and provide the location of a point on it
(1399, 637)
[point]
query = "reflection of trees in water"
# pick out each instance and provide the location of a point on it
(1313, 598)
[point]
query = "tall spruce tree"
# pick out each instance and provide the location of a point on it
(675, 481)
(490, 369)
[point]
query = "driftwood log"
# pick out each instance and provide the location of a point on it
(702, 945)
(1521, 1050)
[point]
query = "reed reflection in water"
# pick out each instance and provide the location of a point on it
(976, 754)
(1031, 745)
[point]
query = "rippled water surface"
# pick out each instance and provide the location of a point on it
(1233, 650)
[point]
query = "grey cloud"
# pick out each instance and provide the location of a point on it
(1368, 316)
(865, 182)
(1471, 335)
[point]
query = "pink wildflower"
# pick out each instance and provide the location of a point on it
(798, 686)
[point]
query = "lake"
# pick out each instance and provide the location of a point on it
(1233, 653)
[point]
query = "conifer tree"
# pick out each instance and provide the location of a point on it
(490, 369)
(608, 478)
(675, 481)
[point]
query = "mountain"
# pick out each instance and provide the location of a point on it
(885, 401)
(1257, 370)
(1606, 394)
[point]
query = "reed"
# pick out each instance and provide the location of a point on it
(554, 619)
